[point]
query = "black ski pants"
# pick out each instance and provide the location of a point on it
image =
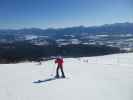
(57, 71)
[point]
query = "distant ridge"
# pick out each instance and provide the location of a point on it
(80, 26)
(106, 28)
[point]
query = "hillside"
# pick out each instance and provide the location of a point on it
(115, 35)
(88, 78)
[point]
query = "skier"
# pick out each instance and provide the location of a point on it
(59, 61)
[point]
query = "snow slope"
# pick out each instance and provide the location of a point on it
(89, 78)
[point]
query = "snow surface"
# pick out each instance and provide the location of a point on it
(88, 78)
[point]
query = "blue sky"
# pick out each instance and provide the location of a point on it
(63, 13)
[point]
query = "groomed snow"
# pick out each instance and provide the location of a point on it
(88, 78)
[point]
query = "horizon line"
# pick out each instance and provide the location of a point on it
(65, 26)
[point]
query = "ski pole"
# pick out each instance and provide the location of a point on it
(52, 71)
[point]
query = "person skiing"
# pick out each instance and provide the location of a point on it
(59, 61)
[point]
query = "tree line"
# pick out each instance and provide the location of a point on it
(23, 51)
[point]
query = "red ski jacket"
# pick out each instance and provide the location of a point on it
(59, 61)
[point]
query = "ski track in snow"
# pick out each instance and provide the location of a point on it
(107, 77)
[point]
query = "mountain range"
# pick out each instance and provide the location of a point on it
(116, 28)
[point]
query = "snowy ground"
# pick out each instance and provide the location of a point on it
(88, 78)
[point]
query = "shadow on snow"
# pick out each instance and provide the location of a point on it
(46, 80)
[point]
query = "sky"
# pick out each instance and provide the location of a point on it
(15, 14)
